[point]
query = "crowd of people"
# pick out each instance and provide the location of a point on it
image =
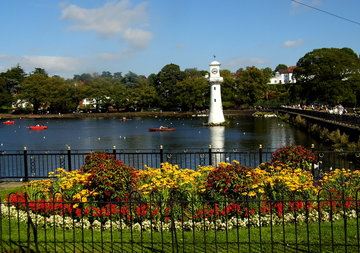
(338, 109)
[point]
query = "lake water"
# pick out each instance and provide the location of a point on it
(243, 132)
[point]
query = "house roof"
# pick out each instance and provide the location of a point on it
(288, 70)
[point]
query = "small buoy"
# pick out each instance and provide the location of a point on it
(244, 133)
(2, 144)
(99, 138)
(44, 137)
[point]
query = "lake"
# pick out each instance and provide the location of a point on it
(243, 132)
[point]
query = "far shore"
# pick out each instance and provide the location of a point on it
(119, 115)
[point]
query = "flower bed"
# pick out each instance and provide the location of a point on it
(106, 191)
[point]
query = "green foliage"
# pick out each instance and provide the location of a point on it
(327, 75)
(110, 178)
(192, 93)
(280, 67)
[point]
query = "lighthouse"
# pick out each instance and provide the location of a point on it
(216, 115)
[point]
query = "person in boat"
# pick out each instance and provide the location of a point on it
(162, 127)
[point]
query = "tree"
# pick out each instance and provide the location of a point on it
(64, 96)
(13, 78)
(5, 95)
(328, 76)
(144, 93)
(252, 84)
(36, 89)
(281, 67)
(166, 82)
(192, 93)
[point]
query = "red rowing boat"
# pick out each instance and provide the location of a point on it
(162, 129)
(9, 122)
(38, 127)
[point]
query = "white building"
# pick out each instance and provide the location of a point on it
(283, 76)
(216, 115)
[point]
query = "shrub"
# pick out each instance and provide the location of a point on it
(230, 180)
(294, 156)
(110, 178)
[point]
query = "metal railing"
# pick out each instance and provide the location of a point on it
(323, 223)
(28, 164)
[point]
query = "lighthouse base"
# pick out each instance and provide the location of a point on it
(210, 124)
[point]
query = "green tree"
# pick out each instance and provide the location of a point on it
(280, 67)
(5, 95)
(252, 84)
(166, 82)
(144, 93)
(229, 89)
(12, 78)
(327, 75)
(64, 96)
(192, 93)
(35, 89)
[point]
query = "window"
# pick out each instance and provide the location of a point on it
(215, 100)
(214, 88)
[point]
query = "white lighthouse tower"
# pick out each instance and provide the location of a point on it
(216, 116)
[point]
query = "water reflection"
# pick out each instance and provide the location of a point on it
(217, 136)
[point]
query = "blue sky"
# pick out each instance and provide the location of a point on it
(86, 36)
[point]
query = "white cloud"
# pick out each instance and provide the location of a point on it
(293, 43)
(52, 64)
(236, 63)
(114, 19)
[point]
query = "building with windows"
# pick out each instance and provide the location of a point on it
(283, 76)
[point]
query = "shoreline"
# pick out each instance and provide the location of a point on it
(118, 115)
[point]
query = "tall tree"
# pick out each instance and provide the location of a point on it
(35, 89)
(252, 84)
(280, 67)
(166, 82)
(192, 93)
(13, 78)
(327, 75)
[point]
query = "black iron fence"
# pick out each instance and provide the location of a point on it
(28, 164)
(323, 223)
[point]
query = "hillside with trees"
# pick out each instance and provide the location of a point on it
(325, 76)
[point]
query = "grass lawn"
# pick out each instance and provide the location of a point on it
(314, 237)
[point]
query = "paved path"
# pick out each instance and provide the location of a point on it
(9, 185)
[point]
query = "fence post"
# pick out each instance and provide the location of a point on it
(210, 155)
(26, 175)
(260, 153)
(161, 154)
(114, 152)
(313, 162)
(69, 157)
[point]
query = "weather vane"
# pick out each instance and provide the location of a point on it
(214, 56)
